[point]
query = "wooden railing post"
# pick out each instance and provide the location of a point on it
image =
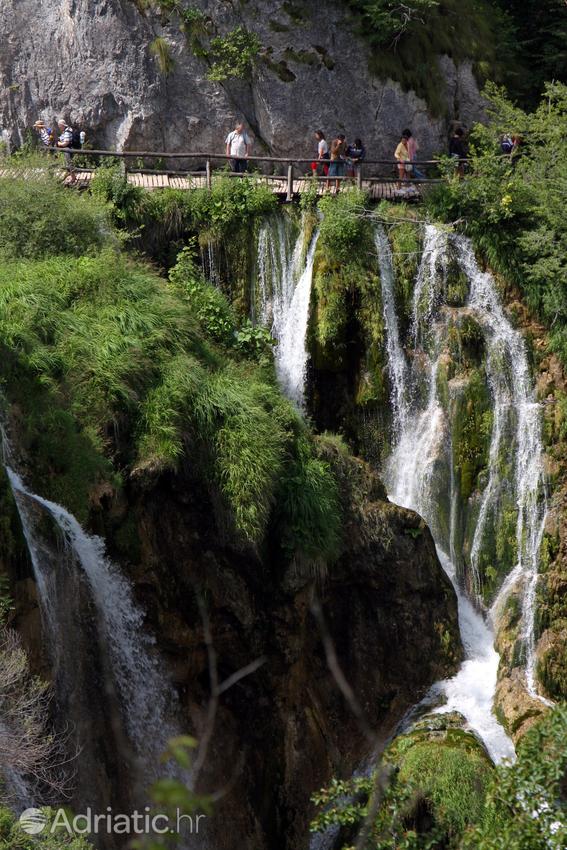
(359, 175)
(209, 175)
(289, 195)
(123, 169)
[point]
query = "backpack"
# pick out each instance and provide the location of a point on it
(506, 145)
(76, 143)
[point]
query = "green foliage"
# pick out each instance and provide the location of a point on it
(254, 341)
(526, 804)
(539, 28)
(216, 317)
(206, 302)
(514, 209)
(407, 39)
(163, 222)
(471, 432)
(230, 56)
(108, 362)
(233, 55)
(111, 186)
(343, 229)
(196, 26)
(435, 789)
(390, 20)
(40, 219)
(310, 516)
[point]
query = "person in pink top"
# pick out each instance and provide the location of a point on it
(413, 148)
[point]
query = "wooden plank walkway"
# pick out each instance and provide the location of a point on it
(378, 189)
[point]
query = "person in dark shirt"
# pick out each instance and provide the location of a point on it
(457, 149)
(355, 154)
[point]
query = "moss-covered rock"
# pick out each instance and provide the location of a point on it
(552, 661)
(447, 769)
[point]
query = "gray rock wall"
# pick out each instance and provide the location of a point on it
(89, 60)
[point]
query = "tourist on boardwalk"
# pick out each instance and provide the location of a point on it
(322, 161)
(457, 149)
(413, 148)
(238, 148)
(355, 154)
(337, 166)
(44, 133)
(65, 142)
(402, 157)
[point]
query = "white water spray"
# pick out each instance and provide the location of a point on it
(285, 279)
(528, 448)
(423, 445)
(397, 367)
(143, 691)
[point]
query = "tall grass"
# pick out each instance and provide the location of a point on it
(37, 219)
(144, 373)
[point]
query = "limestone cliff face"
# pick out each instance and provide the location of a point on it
(90, 60)
(284, 730)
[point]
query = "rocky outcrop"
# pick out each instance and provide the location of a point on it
(90, 60)
(284, 730)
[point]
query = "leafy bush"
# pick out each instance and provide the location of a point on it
(434, 787)
(526, 804)
(514, 209)
(111, 186)
(206, 302)
(343, 229)
(233, 55)
(39, 219)
(407, 39)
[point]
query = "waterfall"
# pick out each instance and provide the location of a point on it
(132, 673)
(16, 791)
(285, 276)
(396, 359)
(210, 264)
(429, 284)
(422, 450)
(529, 470)
(142, 689)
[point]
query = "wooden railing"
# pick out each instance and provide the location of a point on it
(366, 172)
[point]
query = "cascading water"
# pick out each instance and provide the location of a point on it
(142, 689)
(422, 458)
(285, 277)
(106, 676)
(397, 366)
(528, 448)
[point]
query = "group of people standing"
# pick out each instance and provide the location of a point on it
(65, 138)
(338, 160)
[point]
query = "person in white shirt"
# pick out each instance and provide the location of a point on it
(322, 154)
(238, 148)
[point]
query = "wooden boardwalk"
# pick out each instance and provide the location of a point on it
(377, 188)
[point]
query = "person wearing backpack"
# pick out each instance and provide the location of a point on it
(506, 144)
